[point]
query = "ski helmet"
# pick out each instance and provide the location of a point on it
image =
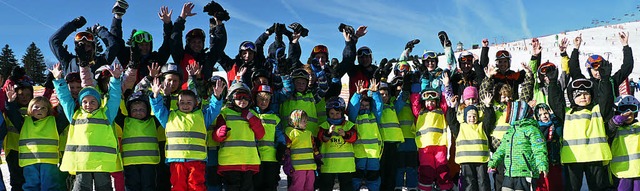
(236, 88)
(247, 45)
(319, 49)
(430, 55)
(626, 103)
(138, 96)
(300, 73)
(170, 68)
(195, 33)
(336, 103)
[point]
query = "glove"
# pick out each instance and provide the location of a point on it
(287, 167)
(605, 69)
(95, 29)
(347, 28)
(318, 159)
(120, 8)
(418, 66)
(272, 28)
(298, 28)
(84, 56)
(333, 69)
(223, 15)
(386, 67)
(406, 85)
(215, 10)
(17, 73)
(552, 73)
(79, 22)
(246, 114)
(222, 131)
(412, 44)
(48, 84)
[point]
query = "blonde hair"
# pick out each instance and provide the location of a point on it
(264, 95)
(40, 100)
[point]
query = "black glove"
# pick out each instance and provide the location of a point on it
(387, 66)
(412, 44)
(605, 69)
(16, 73)
(48, 84)
(272, 28)
(84, 57)
(223, 15)
(298, 28)
(406, 84)
(79, 22)
(95, 29)
(215, 10)
(347, 28)
(552, 73)
(120, 8)
(418, 66)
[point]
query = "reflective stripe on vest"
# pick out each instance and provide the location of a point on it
(140, 142)
(11, 140)
(471, 144)
(38, 142)
(239, 148)
(301, 147)
(368, 143)
(267, 145)
(406, 119)
(389, 126)
(431, 129)
(92, 145)
(501, 125)
(584, 139)
(186, 135)
(337, 154)
(626, 152)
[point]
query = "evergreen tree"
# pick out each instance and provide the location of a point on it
(34, 65)
(7, 61)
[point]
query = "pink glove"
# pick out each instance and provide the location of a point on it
(222, 131)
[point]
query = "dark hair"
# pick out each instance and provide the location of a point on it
(188, 93)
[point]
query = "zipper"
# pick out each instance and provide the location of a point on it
(511, 149)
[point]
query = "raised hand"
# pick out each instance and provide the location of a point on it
(361, 31)
(563, 45)
(527, 68)
(445, 79)
(218, 88)
(117, 70)
(11, 94)
(490, 70)
(154, 69)
(454, 100)
(241, 73)
(624, 38)
(156, 86)
(165, 14)
(360, 87)
(373, 85)
(56, 71)
(486, 99)
(536, 47)
(186, 10)
(578, 41)
(485, 42)
(194, 70)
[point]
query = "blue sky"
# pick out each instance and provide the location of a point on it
(391, 23)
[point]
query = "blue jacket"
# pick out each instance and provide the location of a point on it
(69, 104)
(376, 106)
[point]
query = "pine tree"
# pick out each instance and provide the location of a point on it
(34, 65)
(7, 61)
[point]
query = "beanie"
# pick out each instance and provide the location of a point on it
(89, 91)
(470, 92)
(467, 109)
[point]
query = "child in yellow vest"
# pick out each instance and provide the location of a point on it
(302, 153)
(625, 164)
(269, 175)
(38, 146)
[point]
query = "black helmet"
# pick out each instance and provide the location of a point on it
(300, 73)
(260, 73)
(139, 96)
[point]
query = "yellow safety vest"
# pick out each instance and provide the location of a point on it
(501, 125)
(432, 129)
(240, 147)
(304, 102)
(407, 122)
(369, 142)
(63, 139)
(626, 152)
(337, 154)
(92, 145)
(584, 139)
(267, 145)
(186, 135)
(162, 135)
(140, 142)
(390, 126)
(13, 135)
(471, 144)
(301, 148)
(39, 142)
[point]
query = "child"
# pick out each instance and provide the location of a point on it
(407, 173)
(523, 152)
(391, 135)
(365, 112)
(269, 175)
(140, 153)
(472, 147)
(432, 142)
(186, 125)
(38, 146)
(92, 147)
(302, 151)
(551, 130)
(337, 136)
(303, 98)
(625, 163)
(237, 128)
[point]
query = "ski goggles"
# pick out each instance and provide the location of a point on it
(594, 61)
(581, 84)
(544, 68)
(142, 37)
(429, 95)
(248, 46)
(625, 108)
(335, 104)
(429, 55)
(242, 96)
(466, 59)
(84, 36)
(502, 54)
(364, 52)
(320, 49)
(403, 66)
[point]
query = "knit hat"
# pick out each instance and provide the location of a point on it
(296, 116)
(467, 109)
(89, 91)
(470, 92)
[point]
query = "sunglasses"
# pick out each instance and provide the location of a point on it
(242, 96)
(428, 55)
(625, 108)
(428, 95)
(144, 37)
(320, 49)
(84, 36)
(248, 46)
(581, 83)
(364, 52)
(503, 54)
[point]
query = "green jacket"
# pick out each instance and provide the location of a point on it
(523, 151)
